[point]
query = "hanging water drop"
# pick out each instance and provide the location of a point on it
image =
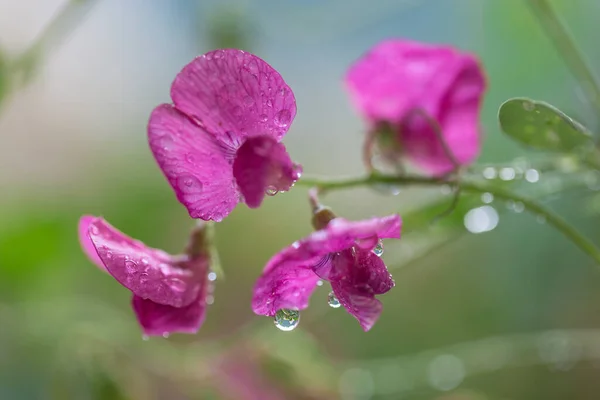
(282, 118)
(378, 249)
(271, 191)
(287, 320)
(165, 335)
(333, 301)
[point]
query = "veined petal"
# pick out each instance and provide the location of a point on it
(363, 306)
(158, 319)
(234, 94)
(86, 243)
(260, 164)
(195, 164)
(287, 282)
(149, 273)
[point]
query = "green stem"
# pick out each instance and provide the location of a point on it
(467, 186)
(565, 45)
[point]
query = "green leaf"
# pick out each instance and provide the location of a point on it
(539, 125)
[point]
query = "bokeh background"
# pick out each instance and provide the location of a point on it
(513, 313)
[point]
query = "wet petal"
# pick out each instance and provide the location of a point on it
(234, 94)
(158, 319)
(86, 243)
(195, 164)
(149, 273)
(363, 306)
(262, 163)
(287, 282)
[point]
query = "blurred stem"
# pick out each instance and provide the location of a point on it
(531, 205)
(566, 47)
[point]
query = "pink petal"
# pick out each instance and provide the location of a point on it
(364, 307)
(287, 282)
(288, 279)
(397, 77)
(195, 164)
(158, 319)
(234, 94)
(260, 164)
(86, 243)
(149, 273)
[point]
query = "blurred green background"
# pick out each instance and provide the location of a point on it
(509, 314)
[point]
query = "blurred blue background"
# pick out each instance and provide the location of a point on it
(509, 314)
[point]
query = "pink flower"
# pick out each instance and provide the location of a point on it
(346, 254)
(169, 292)
(413, 86)
(219, 142)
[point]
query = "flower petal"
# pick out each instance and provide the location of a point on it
(263, 163)
(158, 319)
(398, 77)
(195, 164)
(234, 94)
(287, 282)
(149, 273)
(364, 307)
(86, 243)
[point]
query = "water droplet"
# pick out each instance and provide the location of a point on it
(487, 198)
(252, 66)
(131, 267)
(209, 299)
(481, 219)
(94, 230)
(271, 191)
(298, 171)
(212, 276)
(145, 338)
(165, 142)
(541, 219)
(165, 335)
(507, 174)
(532, 175)
(218, 54)
(287, 320)
(378, 249)
(282, 118)
(143, 278)
(144, 261)
(319, 283)
(333, 301)
(109, 254)
(518, 207)
(263, 117)
(248, 101)
(269, 103)
(177, 284)
(189, 184)
(489, 173)
(528, 105)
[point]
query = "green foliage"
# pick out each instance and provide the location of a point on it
(539, 125)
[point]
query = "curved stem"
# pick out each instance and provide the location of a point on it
(566, 47)
(467, 186)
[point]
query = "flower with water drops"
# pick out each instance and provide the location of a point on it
(419, 89)
(219, 143)
(286, 320)
(168, 291)
(341, 252)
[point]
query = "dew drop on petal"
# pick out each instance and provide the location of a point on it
(378, 249)
(287, 320)
(189, 184)
(269, 103)
(333, 301)
(212, 276)
(271, 191)
(166, 142)
(263, 117)
(143, 278)
(94, 230)
(252, 66)
(209, 299)
(282, 118)
(176, 284)
(131, 267)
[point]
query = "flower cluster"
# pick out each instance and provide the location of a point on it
(219, 144)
